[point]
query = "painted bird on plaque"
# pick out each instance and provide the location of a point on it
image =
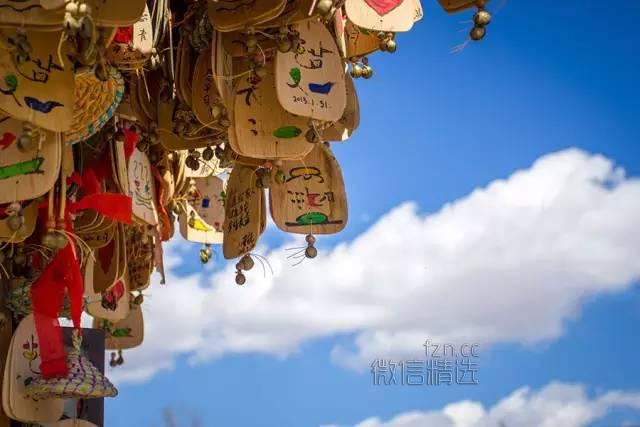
(310, 80)
(312, 199)
(31, 82)
(263, 129)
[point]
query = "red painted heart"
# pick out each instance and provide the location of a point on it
(382, 7)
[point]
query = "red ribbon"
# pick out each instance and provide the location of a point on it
(124, 34)
(63, 274)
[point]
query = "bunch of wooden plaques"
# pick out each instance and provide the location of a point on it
(122, 120)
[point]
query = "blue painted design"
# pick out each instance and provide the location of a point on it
(41, 106)
(321, 88)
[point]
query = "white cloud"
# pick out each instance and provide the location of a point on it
(508, 263)
(555, 405)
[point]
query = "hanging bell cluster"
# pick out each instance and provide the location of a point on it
(311, 251)
(116, 359)
(206, 254)
(15, 218)
(288, 39)
(246, 263)
(481, 19)
(362, 69)
(387, 42)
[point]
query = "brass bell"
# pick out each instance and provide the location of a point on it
(280, 177)
(391, 46)
(324, 6)
(204, 256)
(477, 33)
(240, 278)
(207, 153)
(482, 18)
(310, 252)
(15, 222)
(356, 71)
(49, 240)
(25, 142)
(367, 72)
(246, 262)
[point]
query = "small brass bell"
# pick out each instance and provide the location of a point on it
(204, 256)
(324, 6)
(138, 299)
(356, 71)
(391, 46)
(260, 72)
(20, 259)
(207, 153)
(25, 141)
(113, 362)
(280, 177)
(246, 262)
(60, 240)
(240, 278)
(367, 72)
(15, 222)
(142, 145)
(252, 40)
(482, 18)
(477, 33)
(310, 252)
(311, 136)
(49, 240)
(285, 44)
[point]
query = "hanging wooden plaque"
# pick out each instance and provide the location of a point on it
(23, 365)
(142, 188)
(263, 129)
(312, 199)
(30, 173)
(31, 91)
(124, 334)
(310, 81)
(204, 217)
(244, 206)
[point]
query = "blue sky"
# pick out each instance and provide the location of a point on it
(436, 126)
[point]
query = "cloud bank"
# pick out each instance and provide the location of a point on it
(510, 262)
(556, 404)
